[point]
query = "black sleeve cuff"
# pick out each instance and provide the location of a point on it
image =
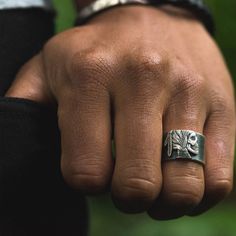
(23, 32)
(32, 190)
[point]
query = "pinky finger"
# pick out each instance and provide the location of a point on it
(220, 142)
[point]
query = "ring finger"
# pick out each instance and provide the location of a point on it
(183, 180)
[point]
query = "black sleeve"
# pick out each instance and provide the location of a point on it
(22, 34)
(34, 200)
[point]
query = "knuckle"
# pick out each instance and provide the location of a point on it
(135, 195)
(222, 104)
(86, 175)
(184, 198)
(63, 41)
(147, 62)
(138, 188)
(184, 190)
(138, 183)
(222, 187)
(50, 44)
(223, 158)
(187, 82)
(144, 75)
(219, 178)
(88, 68)
(55, 45)
(218, 185)
(222, 114)
(86, 182)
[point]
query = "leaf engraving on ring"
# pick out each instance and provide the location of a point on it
(184, 141)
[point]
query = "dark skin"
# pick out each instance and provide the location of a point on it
(134, 73)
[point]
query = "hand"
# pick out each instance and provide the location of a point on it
(138, 72)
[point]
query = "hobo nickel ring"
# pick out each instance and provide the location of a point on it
(184, 145)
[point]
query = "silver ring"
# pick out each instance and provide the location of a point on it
(184, 145)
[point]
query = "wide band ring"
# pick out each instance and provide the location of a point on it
(184, 145)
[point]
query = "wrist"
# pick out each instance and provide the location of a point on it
(80, 4)
(194, 8)
(146, 14)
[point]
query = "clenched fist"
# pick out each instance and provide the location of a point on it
(131, 74)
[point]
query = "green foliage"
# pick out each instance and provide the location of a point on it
(225, 17)
(65, 14)
(107, 221)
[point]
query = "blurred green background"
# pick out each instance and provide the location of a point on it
(105, 220)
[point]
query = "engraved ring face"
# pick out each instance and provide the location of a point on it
(183, 144)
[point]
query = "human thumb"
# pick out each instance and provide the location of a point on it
(31, 83)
